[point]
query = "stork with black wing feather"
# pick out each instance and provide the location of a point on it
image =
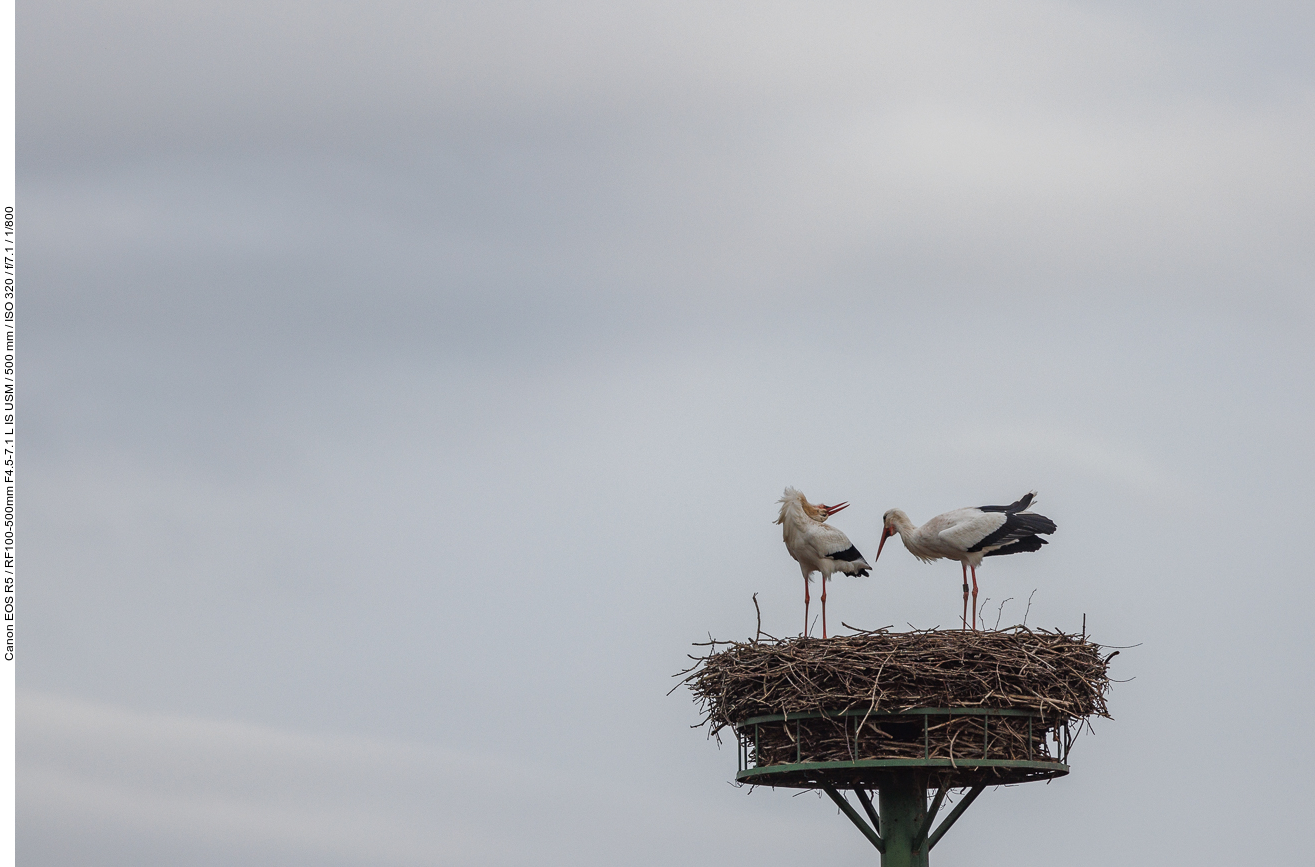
(816, 545)
(968, 535)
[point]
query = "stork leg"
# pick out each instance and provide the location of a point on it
(824, 606)
(965, 594)
(974, 598)
(805, 606)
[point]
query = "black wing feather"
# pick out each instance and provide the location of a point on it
(1031, 543)
(1017, 506)
(849, 555)
(1017, 527)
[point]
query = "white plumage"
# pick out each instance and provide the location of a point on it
(817, 546)
(968, 535)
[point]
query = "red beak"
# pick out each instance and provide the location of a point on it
(885, 534)
(831, 510)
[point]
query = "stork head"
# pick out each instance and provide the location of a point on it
(818, 512)
(888, 529)
(827, 511)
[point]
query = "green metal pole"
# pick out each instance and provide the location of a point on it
(903, 804)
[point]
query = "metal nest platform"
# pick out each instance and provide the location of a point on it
(888, 717)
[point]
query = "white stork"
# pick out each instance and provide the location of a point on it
(817, 547)
(968, 535)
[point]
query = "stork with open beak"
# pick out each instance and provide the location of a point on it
(816, 546)
(968, 535)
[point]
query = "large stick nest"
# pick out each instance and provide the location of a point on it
(1056, 677)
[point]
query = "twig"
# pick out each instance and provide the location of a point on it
(1000, 613)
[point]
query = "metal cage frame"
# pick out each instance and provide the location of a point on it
(964, 771)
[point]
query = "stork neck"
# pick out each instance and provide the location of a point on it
(908, 534)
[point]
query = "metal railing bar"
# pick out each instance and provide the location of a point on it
(913, 711)
(1042, 765)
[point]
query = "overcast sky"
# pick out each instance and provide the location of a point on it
(406, 386)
